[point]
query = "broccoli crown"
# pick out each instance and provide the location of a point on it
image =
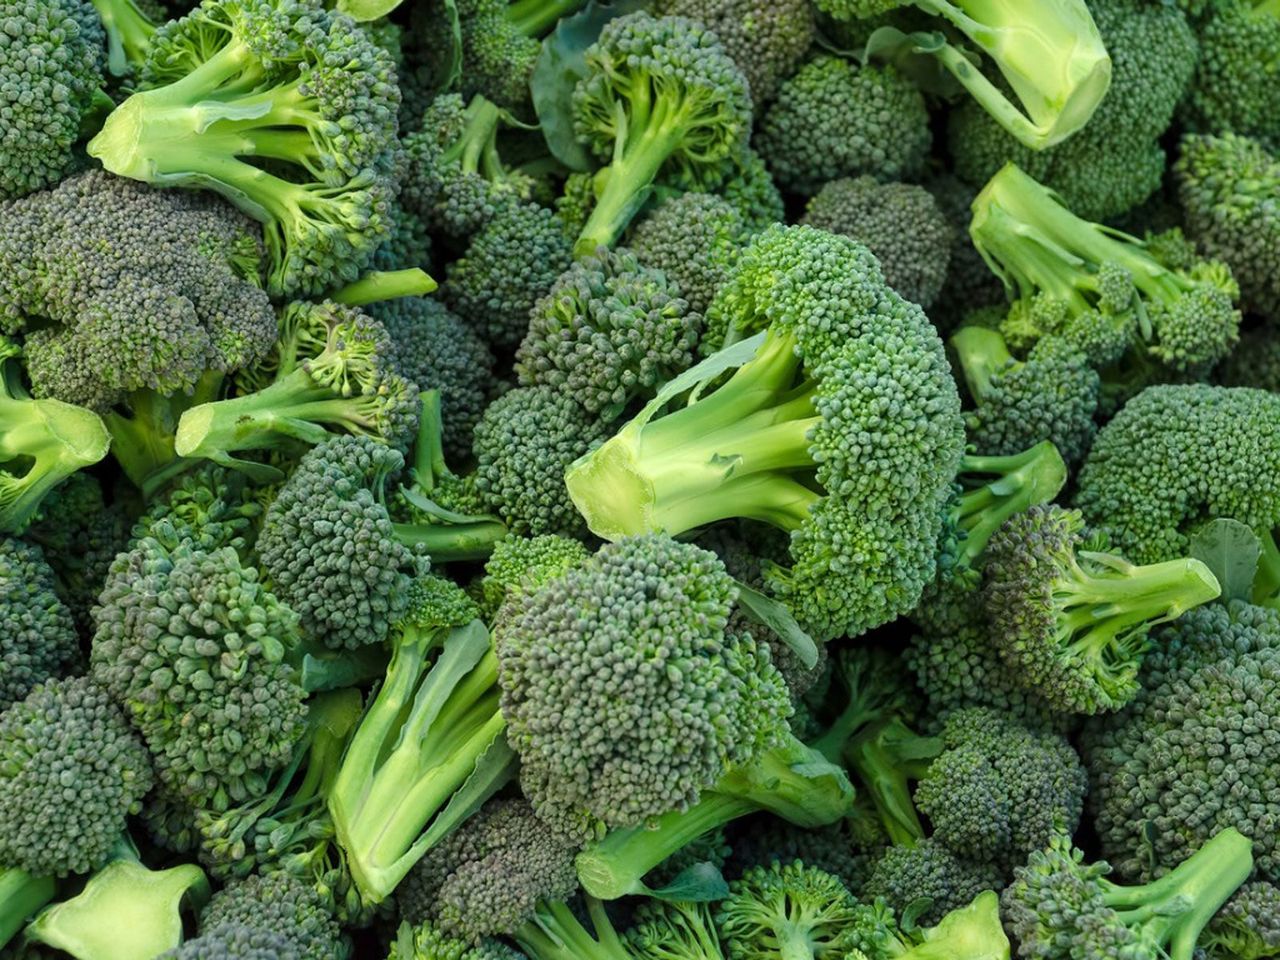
(281, 903)
(488, 876)
(1254, 363)
(437, 351)
(1228, 187)
(241, 941)
(1211, 688)
(900, 223)
(329, 549)
(51, 59)
(766, 40)
(211, 506)
(787, 910)
(125, 287)
(1248, 925)
(1061, 907)
(295, 84)
(844, 849)
(609, 331)
(1233, 87)
(749, 187)
(195, 649)
(693, 239)
(38, 638)
(71, 771)
(836, 119)
(929, 871)
(641, 601)
(1072, 622)
(1116, 161)
(497, 56)
(1176, 456)
(1103, 334)
(520, 564)
(523, 444)
(506, 269)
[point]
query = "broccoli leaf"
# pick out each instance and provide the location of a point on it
(1231, 550)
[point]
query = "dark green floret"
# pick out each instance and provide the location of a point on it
(787, 910)
(694, 239)
(241, 942)
(38, 640)
(749, 187)
(521, 564)
(282, 904)
(931, 876)
(1234, 87)
(71, 771)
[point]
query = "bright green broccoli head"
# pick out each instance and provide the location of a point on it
(283, 904)
(693, 239)
(1233, 89)
(71, 771)
(791, 911)
(520, 564)
(38, 638)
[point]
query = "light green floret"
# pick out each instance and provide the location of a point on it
(521, 564)
(1234, 88)
(693, 239)
(787, 911)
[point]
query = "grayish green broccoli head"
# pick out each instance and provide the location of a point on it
(38, 638)
(929, 871)
(1248, 925)
(693, 239)
(281, 904)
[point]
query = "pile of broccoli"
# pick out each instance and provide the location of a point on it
(639, 480)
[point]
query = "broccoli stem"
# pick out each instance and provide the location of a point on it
(382, 285)
(982, 354)
(21, 896)
(533, 18)
(142, 442)
(1020, 481)
(886, 760)
(555, 933)
(129, 34)
(1266, 583)
(449, 543)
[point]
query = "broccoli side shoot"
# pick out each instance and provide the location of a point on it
(789, 911)
(128, 32)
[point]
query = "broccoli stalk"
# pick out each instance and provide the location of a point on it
(21, 895)
(966, 933)
(142, 437)
(380, 286)
(556, 933)
(42, 442)
(533, 18)
(792, 781)
(129, 32)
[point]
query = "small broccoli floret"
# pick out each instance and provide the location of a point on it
(1156, 769)
(211, 506)
(521, 564)
(660, 96)
(239, 941)
(1228, 187)
(238, 82)
(900, 223)
(1176, 456)
(787, 910)
(408, 245)
(845, 849)
(51, 59)
(1233, 90)
(749, 187)
(283, 904)
(71, 771)
(1060, 907)
(1248, 925)
(693, 239)
(673, 930)
(38, 639)
(836, 119)
(500, 45)
(928, 872)
(523, 444)
(608, 332)
(1073, 622)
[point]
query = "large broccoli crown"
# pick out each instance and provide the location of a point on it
(784, 910)
(907, 876)
(71, 771)
(836, 119)
(693, 239)
(609, 331)
(281, 903)
(1227, 186)
(51, 59)
(1233, 88)
(604, 625)
(236, 82)
(329, 548)
(1211, 684)
(38, 638)
(126, 287)
(1175, 456)
(902, 225)
(195, 650)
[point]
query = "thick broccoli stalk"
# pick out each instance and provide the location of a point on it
(1059, 907)
(660, 95)
(287, 110)
(973, 932)
(42, 442)
(129, 32)
(22, 895)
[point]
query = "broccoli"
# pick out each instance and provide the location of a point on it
(1176, 456)
(902, 225)
(128, 32)
(51, 59)
(659, 96)
(1228, 187)
(71, 771)
(1254, 363)
(835, 119)
(787, 911)
(280, 903)
(1052, 395)
(1187, 318)
(608, 332)
(693, 239)
(1157, 770)
(240, 941)
(674, 930)
(1248, 925)
(1233, 90)
(38, 640)
(969, 285)
(845, 849)
(21, 897)
(424, 941)
(1116, 162)
(1061, 907)
(968, 932)
(770, 442)
(929, 879)
(521, 564)
(1073, 621)
(751, 190)
(286, 109)
(408, 245)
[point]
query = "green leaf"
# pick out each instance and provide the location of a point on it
(699, 883)
(914, 55)
(366, 10)
(560, 66)
(775, 616)
(1231, 551)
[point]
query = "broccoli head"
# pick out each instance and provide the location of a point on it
(693, 239)
(242, 941)
(38, 638)
(281, 903)
(929, 878)
(520, 564)
(1233, 90)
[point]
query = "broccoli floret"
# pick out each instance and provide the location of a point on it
(1187, 318)
(1228, 187)
(1073, 622)
(1176, 456)
(71, 771)
(609, 331)
(1157, 769)
(902, 225)
(836, 119)
(424, 941)
(1116, 161)
(283, 904)
(38, 640)
(773, 441)
(409, 243)
(659, 96)
(1248, 925)
(1061, 907)
(845, 849)
(767, 40)
(51, 59)
(129, 30)
(929, 878)
(239, 941)
(673, 930)
(787, 910)
(238, 82)
(749, 187)
(1233, 90)
(971, 932)
(211, 506)
(523, 445)
(693, 239)
(520, 564)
